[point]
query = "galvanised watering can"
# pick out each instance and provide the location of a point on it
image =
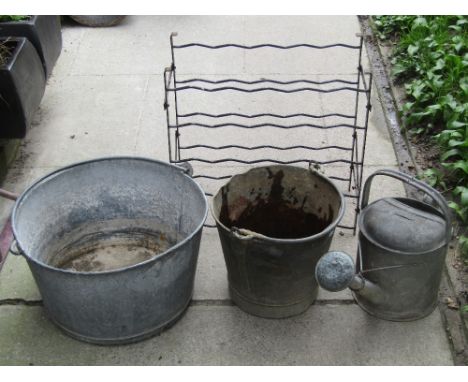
(401, 253)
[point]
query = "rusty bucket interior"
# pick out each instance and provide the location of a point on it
(283, 202)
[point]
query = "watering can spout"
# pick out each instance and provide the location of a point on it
(335, 272)
(367, 289)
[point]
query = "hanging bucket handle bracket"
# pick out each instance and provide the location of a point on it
(431, 192)
(14, 249)
(185, 167)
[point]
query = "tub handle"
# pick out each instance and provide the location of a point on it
(8, 195)
(14, 250)
(428, 190)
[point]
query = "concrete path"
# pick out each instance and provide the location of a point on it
(105, 98)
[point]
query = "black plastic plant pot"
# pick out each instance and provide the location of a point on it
(22, 85)
(45, 34)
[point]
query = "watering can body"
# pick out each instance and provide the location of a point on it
(401, 253)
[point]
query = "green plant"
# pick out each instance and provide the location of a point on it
(430, 58)
(13, 18)
(392, 26)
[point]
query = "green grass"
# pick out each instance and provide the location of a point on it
(430, 58)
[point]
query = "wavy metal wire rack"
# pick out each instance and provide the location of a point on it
(209, 159)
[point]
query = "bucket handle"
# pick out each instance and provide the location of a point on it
(245, 234)
(434, 194)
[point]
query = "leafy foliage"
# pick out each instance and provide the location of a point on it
(431, 59)
(13, 18)
(392, 26)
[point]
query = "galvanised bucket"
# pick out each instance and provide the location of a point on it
(112, 244)
(275, 223)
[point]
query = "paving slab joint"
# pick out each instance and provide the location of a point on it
(212, 302)
(20, 301)
(228, 302)
(196, 302)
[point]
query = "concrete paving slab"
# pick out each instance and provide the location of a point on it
(379, 148)
(320, 30)
(195, 61)
(342, 101)
(211, 31)
(148, 40)
(16, 281)
(302, 61)
(151, 135)
(224, 335)
(99, 118)
(15, 181)
(107, 52)
(315, 29)
(151, 139)
(72, 35)
(211, 278)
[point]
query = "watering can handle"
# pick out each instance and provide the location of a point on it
(434, 194)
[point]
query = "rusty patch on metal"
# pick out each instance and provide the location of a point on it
(273, 216)
(99, 252)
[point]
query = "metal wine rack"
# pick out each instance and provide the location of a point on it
(213, 154)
